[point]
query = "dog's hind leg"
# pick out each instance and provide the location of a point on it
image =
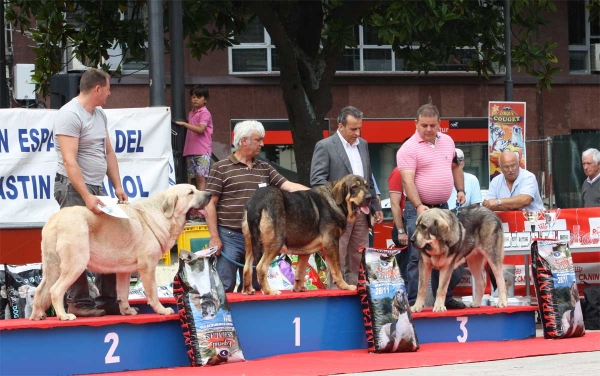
(247, 288)
(68, 275)
(148, 276)
(42, 299)
(300, 276)
(272, 234)
(476, 263)
(502, 294)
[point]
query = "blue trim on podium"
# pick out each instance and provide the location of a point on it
(266, 326)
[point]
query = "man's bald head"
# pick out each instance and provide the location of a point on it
(509, 164)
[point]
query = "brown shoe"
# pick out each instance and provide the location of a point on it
(85, 311)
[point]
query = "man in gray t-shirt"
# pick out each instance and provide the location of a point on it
(85, 156)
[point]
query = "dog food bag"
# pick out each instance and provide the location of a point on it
(556, 288)
(208, 330)
(276, 279)
(21, 283)
(386, 312)
(4, 311)
(312, 280)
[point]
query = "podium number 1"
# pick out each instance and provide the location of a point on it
(110, 357)
(297, 335)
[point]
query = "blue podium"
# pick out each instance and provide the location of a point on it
(266, 326)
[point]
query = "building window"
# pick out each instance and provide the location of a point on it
(584, 37)
(256, 54)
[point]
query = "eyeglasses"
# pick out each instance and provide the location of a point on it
(510, 167)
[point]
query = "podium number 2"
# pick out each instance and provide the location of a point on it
(110, 357)
(297, 334)
(463, 328)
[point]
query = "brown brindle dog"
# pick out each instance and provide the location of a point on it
(300, 223)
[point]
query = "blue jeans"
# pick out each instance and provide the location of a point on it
(234, 246)
(412, 270)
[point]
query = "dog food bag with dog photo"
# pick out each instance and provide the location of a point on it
(21, 282)
(556, 288)
(208, 330)
(276, 279)
(386, 312)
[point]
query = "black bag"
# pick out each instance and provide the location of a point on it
(591, 307)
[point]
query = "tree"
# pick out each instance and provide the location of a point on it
(310, 38)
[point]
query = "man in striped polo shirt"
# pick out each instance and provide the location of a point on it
(232, 181)
(429, 170)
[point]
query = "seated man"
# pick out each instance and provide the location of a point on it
(472, 188)
(590, 190)
(514, 189)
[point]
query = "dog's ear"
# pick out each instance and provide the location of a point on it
(339, 191)
(169, 204)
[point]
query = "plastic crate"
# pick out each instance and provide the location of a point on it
(193, 238)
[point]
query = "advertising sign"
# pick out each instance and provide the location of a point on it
(506, 132)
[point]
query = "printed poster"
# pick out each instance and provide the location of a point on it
(506, 132)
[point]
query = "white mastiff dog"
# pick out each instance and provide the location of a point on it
(75, 238)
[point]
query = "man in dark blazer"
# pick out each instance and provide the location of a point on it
(341, 154)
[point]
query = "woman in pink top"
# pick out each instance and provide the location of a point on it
(198, 139)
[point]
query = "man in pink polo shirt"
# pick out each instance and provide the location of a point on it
(429, 170)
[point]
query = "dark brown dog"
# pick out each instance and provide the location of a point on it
(445, 241)
(300, 223)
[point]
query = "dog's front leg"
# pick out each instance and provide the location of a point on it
(301, 273)
(440, 297)
(424, 274)
(148, 276)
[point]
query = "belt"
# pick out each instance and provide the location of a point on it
(60, 178)
(431, 206)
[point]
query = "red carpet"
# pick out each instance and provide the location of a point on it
(435, 354)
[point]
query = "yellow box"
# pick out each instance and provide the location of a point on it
(193, 238)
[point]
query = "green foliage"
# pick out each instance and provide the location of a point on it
(422, 33)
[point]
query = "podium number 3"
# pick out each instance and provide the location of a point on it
(463, 328)
(110, 357)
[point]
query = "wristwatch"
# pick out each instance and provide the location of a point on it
(401, 231)
(498, 202)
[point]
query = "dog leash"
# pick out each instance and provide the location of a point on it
(458, 205)
(242, 265)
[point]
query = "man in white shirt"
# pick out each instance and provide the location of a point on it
(514, 189)
(472, 188)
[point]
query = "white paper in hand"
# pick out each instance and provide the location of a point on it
(111, 208)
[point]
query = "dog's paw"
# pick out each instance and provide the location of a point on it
(164, 311)
(416, 308)
(351, 287)
(132, 311)
(301, 288)
(474, 305)
(67, 317)
(271, 292)
(249, 291)
(37, 316)
(501, 304)
(439, 308)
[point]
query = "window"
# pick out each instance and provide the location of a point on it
(583, 35)
(256, 54)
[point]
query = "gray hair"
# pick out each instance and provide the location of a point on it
(591, 152)
(428, 110)
(348, 111)
(245, 129)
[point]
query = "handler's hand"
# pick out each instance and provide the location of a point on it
(403, 239)
(122, 196)
(421, 209)
(378, 216)
(92, 202)
(461, 198)
(486, 203)
(216, 242)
